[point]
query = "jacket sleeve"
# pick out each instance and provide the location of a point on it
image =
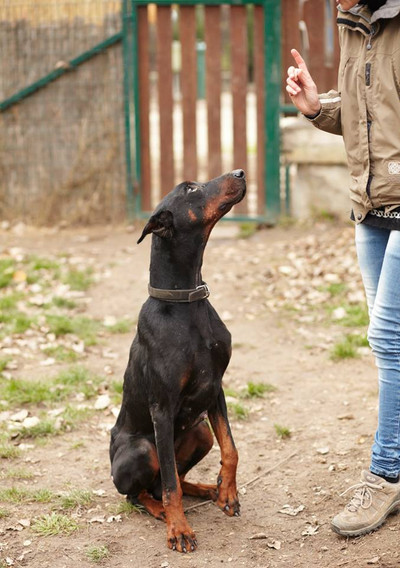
(329, 118)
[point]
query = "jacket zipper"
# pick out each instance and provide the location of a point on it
(371, 35)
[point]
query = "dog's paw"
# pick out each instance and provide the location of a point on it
(227, 499)
(229, 506)
(182, 541)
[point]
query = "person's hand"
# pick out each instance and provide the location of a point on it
(301, 87)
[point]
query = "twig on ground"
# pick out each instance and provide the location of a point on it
(257, 478)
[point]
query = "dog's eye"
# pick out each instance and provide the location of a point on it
(191, 188)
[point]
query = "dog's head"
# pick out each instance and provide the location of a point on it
(192, 206)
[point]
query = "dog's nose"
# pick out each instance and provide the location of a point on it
(239, 173)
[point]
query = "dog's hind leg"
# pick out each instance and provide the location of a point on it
(153, 506)
(190, 448)
(134, 469)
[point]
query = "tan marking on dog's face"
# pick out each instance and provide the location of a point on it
(192, 215)
(211, 212)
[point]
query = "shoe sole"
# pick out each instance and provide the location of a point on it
(370, 528)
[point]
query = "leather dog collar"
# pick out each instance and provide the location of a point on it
(200, 293)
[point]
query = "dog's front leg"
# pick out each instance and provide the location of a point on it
(179, 534)
(227, 492)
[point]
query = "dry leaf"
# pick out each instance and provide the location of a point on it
(289, 510)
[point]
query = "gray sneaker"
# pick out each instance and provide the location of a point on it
(373, 500)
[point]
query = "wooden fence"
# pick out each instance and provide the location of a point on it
(202, 95)
(170, 59)
(310, 27)
(194, 138)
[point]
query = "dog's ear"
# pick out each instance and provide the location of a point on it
(161, 224)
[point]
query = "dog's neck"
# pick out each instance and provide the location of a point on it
(175, 267)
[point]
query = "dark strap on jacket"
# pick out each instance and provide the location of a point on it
(200, 293)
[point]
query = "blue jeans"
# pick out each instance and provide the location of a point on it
(378, 252)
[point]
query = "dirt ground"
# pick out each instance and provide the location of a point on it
(271, 290)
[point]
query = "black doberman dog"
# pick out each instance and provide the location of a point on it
(174, 375)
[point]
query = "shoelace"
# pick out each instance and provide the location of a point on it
(362, 496)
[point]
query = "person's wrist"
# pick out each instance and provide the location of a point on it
(314, 112)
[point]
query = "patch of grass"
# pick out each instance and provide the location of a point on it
(3, 363)
(3, 514)
(257, 390)
(16, 322)
(6, 271)
(77, 445)
(78, 376)
(10, 301)
(231, 392)
(14, 495)
(61, 353)
(73, 415)
(18, 473)
(247, 230)
(347, 348)
(19, 392)
(126, 508)
(238, 410)
(121, 326)
(356, 314)
(97, 553)
(76, 498)
(42, 496)
(41, 263)
(282, 431)
(9, 452)
(79, 279)
(54, 524)
(116, 389)
(43, 429)
(336, 289)
(85, 328)
(64, 303)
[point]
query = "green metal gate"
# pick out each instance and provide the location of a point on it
(150, 77)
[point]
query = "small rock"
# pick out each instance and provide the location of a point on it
(323, 451)
(102, 402)
(276, 544)
(339, 313)
(30, 422)
(48, 362)
(109, 321)
(289, 510)
(19, 416)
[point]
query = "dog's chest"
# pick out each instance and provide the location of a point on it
(201, 384)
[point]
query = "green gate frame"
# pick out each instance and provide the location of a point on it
(272, 85)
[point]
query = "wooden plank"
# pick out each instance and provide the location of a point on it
(290, 38)
(187, 26)
(260, 97)
(144, 107)
(314, 16)
(165, 99)
(213, 88)
(238, 31)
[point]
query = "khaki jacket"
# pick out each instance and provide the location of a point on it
(366, 107)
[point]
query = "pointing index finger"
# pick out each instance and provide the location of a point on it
(298, 58)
